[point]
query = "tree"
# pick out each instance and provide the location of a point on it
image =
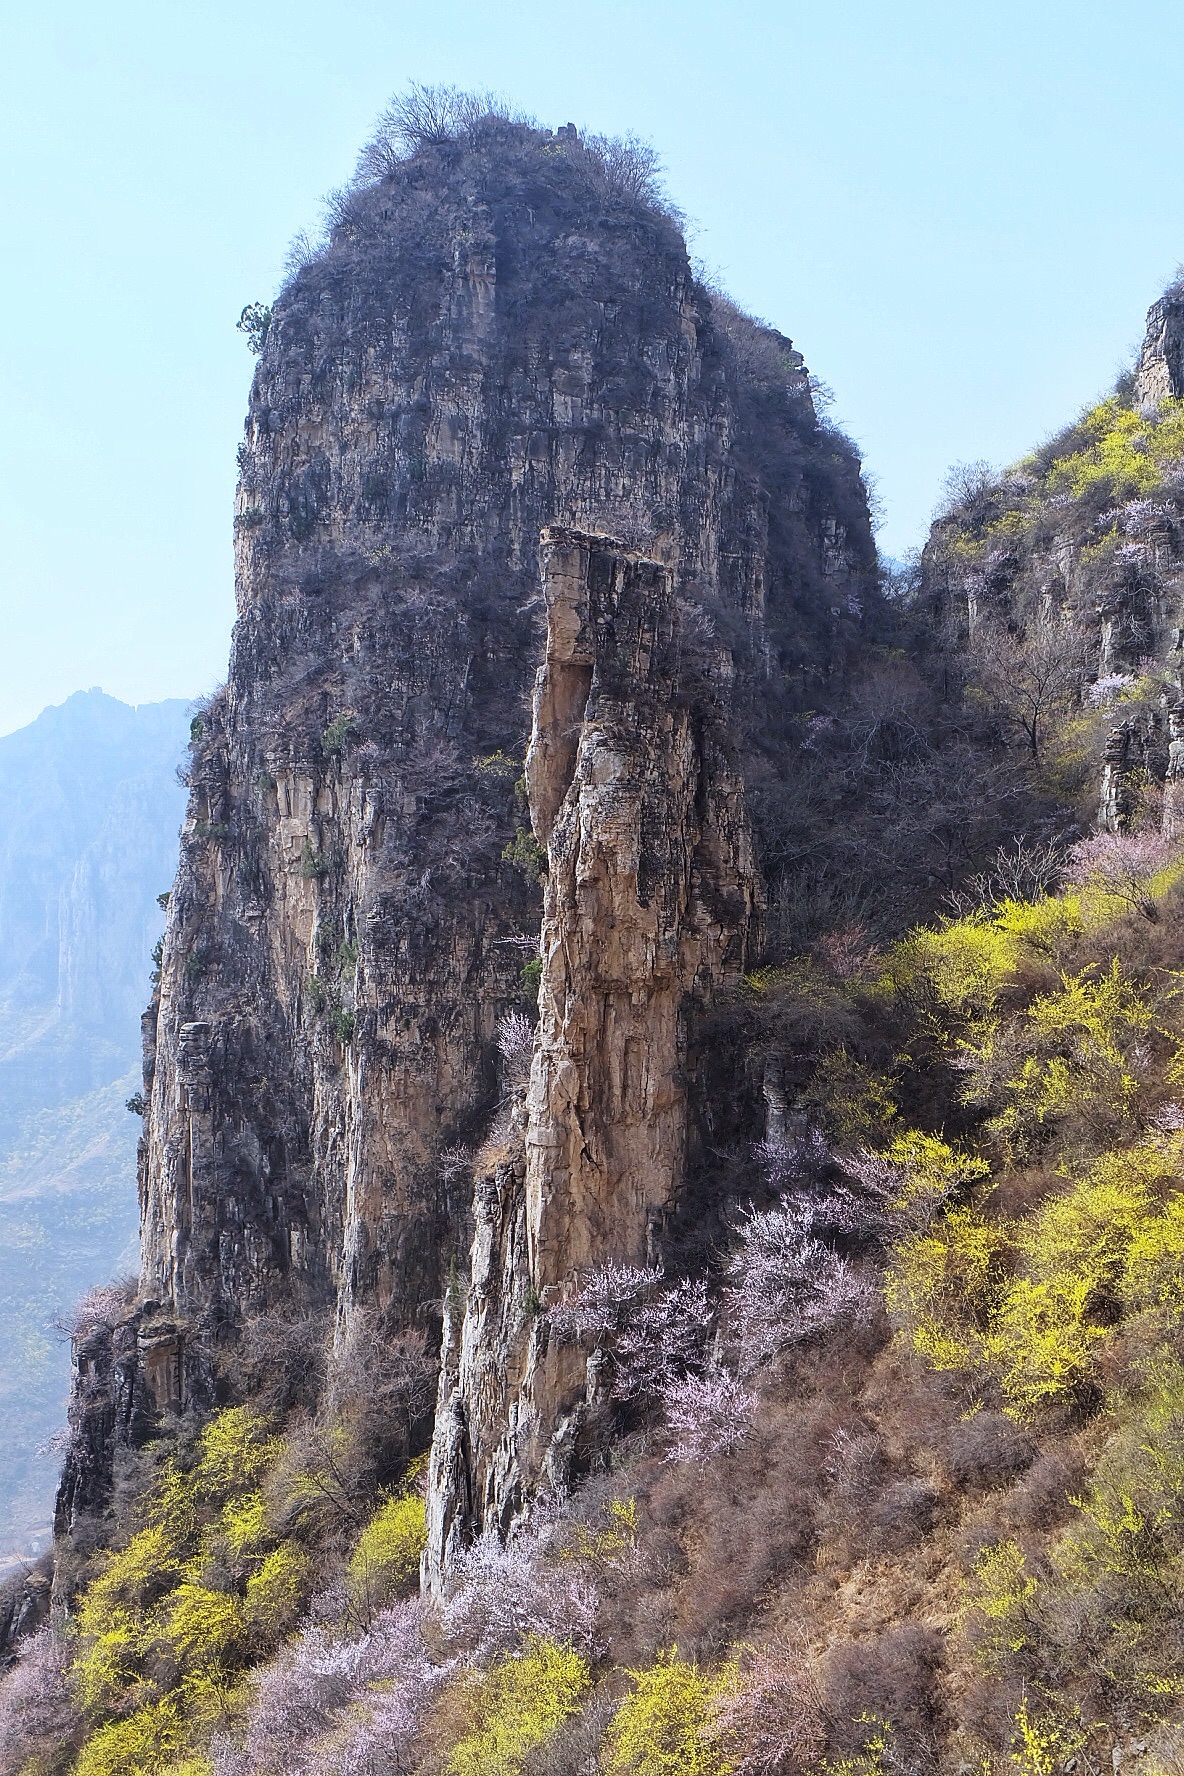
(1032, 676)
(253, 323)
(1122, 864)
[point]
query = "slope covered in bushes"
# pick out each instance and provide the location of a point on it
(896, 1480)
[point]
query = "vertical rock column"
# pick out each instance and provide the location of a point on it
(652, 896)
(1173, 789)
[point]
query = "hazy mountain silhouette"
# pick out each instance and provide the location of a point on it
(89, 813)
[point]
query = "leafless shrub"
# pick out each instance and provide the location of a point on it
(103, 1306)
(891, 1682)
(515, 1041)
(454, 1162)
(902, 1516)
(422, 117)
(1024, 870)
(967, 490)
(375, 1412)
(574, 1749)
(857, 1465)
(302, 250)
(1044, 1497)
(987, 1450)
(626, 167)
(772, 1720)
(1032, 677)
(281, 1361)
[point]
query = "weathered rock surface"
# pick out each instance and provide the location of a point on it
(497, 339)
(1088, 533)
(1159, 373)
(123, 1376)
(652, 901)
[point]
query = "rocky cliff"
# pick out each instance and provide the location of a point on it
(502, 335)
(1071, 564)
(651, 904)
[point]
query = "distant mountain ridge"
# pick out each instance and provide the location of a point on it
(89, 813)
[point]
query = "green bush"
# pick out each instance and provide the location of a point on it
(254, 323)
(524, 853)
(336, 736)
(313, 864)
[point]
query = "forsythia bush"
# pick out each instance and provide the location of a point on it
(951, 972)
(386, 1558)
(1077, 1052)
(1029, 1302)
(997, 1604)
(141, 1744)
(277, 1593)
(665, 1728)
(170, 1622)
(943, 1286)
(519, 1704)
(1125, 451)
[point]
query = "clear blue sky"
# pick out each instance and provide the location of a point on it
(959, 211)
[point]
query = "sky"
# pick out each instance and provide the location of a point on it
(959, 212)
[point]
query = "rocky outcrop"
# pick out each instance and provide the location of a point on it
(1159, 373)
(24, 1605)
(499, 336)
(652, 904)
(123, 1377)
(1080, 546)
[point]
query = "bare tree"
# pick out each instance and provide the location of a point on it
(1030, 677)
(426, 116)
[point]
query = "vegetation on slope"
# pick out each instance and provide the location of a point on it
(1069, 565)
(896, 1482)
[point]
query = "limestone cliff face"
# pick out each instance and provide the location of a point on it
(652, 902)
(496, 339)
(1159, 373)
(1088, 533)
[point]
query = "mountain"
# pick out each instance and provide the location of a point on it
(514, 354)
(663, 1160)
(89, 812)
